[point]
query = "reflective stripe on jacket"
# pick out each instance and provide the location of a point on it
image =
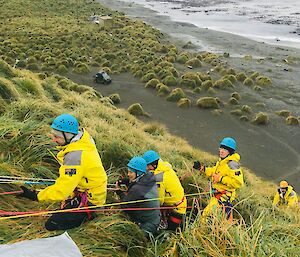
(231, 174)
(81, 169)
(170, 190)
(290, 198)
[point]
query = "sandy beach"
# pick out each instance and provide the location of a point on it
(271, 151)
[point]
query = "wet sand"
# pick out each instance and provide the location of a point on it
(271, 151)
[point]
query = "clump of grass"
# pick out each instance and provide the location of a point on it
(163, 90)
(187, 83)
(206, 84)
(6, 70)
(246, 108)
(244, 118)
(248, 82)
(237, 112)
(292, 120)
(233, 101)
(155, 129)
(152, 83)
(170, 81)
(195, 63)
(263, 81)
(211, 91)
(197, 90)
(283, 113)
(8, 91)
(208, 103)
(29, 85)
(261, 119)
(176, 95)
(115, 98)
(241, 76)
(184, 103)
(148, 77)
(136, 109)
(223, 84)
(236, 95)
(192, 76)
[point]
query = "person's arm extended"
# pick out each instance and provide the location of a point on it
(70, 173)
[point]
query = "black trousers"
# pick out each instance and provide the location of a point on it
(65, 220)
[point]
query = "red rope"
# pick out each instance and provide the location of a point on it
(93, 210)
(11, 192)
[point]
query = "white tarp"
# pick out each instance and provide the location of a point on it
(58, 246)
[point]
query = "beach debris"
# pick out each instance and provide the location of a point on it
(208, 103)
(261, 118)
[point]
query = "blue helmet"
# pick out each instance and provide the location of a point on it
(228, 142)
(151, 156)
(66, 123)
(138, 165)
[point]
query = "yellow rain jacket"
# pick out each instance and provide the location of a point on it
(288, 199)
(81, 169)
(231, 174)
(170, 190)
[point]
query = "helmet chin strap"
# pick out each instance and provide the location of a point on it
(67, 141)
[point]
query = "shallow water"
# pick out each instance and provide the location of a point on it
(272, 21)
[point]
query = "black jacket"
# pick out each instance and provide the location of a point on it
(144, 187)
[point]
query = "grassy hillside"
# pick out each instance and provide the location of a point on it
(56, 36)
(29, 103)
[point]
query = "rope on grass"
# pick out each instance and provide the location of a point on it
(90, 207)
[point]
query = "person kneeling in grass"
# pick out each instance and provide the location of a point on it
(170, 190)
(226, 176)
(82, 179)
(285, 195)
(142, 192)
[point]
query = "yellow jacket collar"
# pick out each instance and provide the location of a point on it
(234, 157)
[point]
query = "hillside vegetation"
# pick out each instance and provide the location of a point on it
(57, 36)
(28, 105)
(29, 102)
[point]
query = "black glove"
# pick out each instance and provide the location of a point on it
(29, 194)
(123, 181)
(197, 165)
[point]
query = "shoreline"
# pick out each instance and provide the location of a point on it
(221, 16)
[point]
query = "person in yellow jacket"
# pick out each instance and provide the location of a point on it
(82, 179)
(226, 176)
(285, 195)
(170, 191)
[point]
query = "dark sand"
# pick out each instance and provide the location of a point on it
(271, 151)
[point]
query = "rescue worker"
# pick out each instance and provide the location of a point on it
(170, 190)
(141, 186)
(82, 179)
(285, 195)
(226, 176)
